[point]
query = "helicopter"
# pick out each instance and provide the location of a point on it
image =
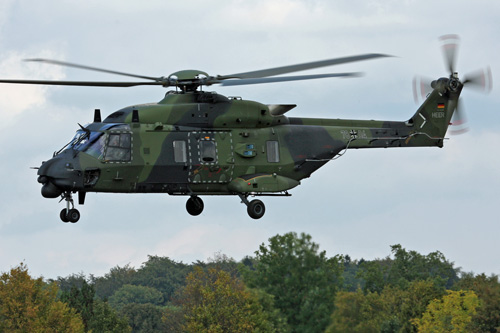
(198, 143)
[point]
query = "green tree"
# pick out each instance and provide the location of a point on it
(106, 285)
(407, 266)
(67, 283)
(302, 280)
(358, 312)
(487, 289)
(162, 274)
(391, 310)
(106, 319)
(414, 301)
(374, 274)
(135, 294)
(82, 300)
(351, 278)
(97, 315)
(215, 301)
(452, 313)
(173, 317)
(144, 317)
(30, 305)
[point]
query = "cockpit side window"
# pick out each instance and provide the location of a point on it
(96, 148)
(119, 147)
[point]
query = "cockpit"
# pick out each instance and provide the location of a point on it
(109, 143)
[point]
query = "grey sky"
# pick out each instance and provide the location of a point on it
(426, 199)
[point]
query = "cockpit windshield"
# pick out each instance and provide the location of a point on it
(83, 139)
(93, 142)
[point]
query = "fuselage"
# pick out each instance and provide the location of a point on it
(205, 143)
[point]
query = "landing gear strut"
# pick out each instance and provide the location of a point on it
(194, 205)
(69, 214)
(255, 208)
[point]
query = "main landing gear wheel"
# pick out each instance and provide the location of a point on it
(73, 215)
(194, 206)
(256, 209)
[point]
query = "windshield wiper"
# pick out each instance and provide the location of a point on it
(80, 139)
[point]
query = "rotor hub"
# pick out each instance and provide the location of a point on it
(454, 83)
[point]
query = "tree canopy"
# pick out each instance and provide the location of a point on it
(31, 305)
(289, 285)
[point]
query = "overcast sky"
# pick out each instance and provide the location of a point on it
(425, 199)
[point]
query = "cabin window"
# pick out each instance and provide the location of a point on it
(273, 151)
(180, 154)
(119, 147)
(208, 151)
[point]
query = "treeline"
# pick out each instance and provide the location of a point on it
(289, 285)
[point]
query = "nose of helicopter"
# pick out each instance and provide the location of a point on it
(59, 175)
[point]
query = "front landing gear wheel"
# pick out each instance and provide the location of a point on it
(73, 215)
(256, 209)
(194, 206)
(64, 216)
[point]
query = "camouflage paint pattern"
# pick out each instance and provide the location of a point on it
(202, 143)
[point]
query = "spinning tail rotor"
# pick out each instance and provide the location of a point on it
(480, 80)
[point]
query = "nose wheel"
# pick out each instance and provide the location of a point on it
(69, 214)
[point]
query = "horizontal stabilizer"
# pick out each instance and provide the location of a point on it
(280, 109)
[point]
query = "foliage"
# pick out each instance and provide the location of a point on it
(302, 281)
(407, 266)
(215, 301)
(135, 294)
(410, 266)
(487, 318)
(357, 312)
(29, 305)
(350, 277)
(173, 318)
(414, 301)
(82, 300)
(96, 314)
(390, 310)
(289, 286)
(452, 313)
(162, 274)
(105, 319)
(144, 317)
(106, 285)
(67, 283)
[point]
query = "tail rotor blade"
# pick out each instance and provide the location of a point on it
(459, 121)
(480, 79)
(449, 44)
(421, 88)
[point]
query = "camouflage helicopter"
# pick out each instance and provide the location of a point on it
(196, 143)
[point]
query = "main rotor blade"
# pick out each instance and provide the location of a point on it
(300, 67)
(238, 82)
(84, 83)
(480, 79)
(450, 44)
(95, 69)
